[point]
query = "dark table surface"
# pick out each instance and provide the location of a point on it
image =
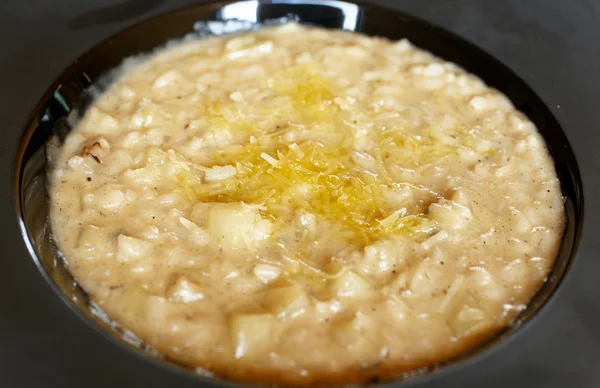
(554, 45)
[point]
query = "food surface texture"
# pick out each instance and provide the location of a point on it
(296, 205)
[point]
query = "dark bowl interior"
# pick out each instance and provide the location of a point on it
(69, 93)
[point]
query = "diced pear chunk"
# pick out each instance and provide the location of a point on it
(519, 220)
(397, 308)
(485, 283)
(129, 299)
(185, 291)
(461, 197)
(454, 295)
(351, 285)
(94, 242)
(515, 273)
(356, 334)
(229, 270)
(261, 230)
(131, 249)
(100, 123)
(156, 311)
(427, 278)
(167, 78)
(307, 220)
(237, 226)
(252, 334)
(197, 235)
(287, 302)
(144, 175)
(434, 240)
(110, 199)
(450, 215)
(469, 320)
(218, 172)
(266, 273)
(89, 237)
(379, 259)
(230, 222)
(136, 304)
(463, 312)
(325, 310)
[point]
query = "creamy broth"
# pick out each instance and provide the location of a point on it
(298, 205)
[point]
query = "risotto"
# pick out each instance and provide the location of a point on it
(297, 205)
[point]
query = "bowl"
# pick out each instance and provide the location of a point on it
(70, 95)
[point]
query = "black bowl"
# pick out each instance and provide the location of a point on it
(69, 93)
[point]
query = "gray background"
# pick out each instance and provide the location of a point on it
(553, 45)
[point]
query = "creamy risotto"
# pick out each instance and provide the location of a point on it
(297, 205)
